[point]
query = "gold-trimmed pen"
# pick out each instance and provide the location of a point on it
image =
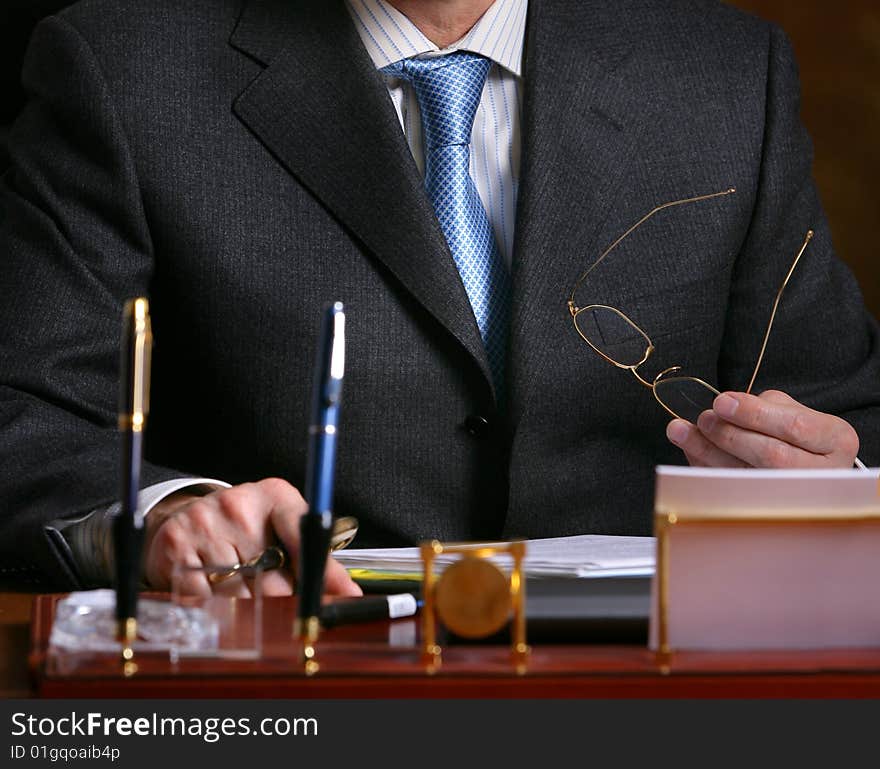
(128, 526)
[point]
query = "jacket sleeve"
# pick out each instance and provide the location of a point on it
(824, 348)
(74, 246)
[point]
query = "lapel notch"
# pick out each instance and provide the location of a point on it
(324, 112)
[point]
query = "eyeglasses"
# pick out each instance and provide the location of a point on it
(609, 332)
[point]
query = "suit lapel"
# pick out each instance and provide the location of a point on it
(579, 129)
(324, 112)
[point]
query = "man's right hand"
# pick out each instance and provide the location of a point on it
(226, 527)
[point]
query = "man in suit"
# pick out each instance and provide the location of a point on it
(243, 163)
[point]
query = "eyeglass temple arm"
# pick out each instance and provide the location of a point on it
(572, 307)
(794, 264)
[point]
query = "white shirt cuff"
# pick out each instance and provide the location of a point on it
(151, 496)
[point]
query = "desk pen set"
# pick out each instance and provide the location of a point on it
(320, 533)
(227, 627)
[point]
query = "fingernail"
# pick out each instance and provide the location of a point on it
(726, 405)
(677, 431)
(707, 421)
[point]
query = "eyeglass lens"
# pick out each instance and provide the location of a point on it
(613, 335)
(685, 397)
(620, 340)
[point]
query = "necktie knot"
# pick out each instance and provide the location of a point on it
(448, 89)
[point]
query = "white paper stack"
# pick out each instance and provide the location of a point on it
(586, 555)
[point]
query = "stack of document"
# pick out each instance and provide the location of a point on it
(586, 555)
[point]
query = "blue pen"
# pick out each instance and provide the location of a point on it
(316, 525)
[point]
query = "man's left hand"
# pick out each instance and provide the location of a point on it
(767, 430)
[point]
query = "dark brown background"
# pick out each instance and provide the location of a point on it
(838, 47)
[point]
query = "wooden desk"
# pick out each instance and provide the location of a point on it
(360, 662)
(15, 615)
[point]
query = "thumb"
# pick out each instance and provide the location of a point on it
(337, 581)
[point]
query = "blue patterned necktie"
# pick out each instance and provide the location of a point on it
(448, 90)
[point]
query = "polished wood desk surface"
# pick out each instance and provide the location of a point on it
(15, 615)
(383, 660)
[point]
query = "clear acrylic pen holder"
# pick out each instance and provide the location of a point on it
(228, 620)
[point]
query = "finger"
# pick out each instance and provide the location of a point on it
(699, 451)
(285, 518)
(694, 461)
(285, 522)
(243, 517)
(188, 578)
(191, 581)
(217, 555)
(219, 529)
(277, 582)
(846, 441)
(337, 581)
(779, 416)
(336, 578)
(213, 542)
(172, 562)
(246, 515)
(220, 559)
(776, 396)
(755, 448)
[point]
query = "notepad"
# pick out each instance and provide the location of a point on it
(766, 559)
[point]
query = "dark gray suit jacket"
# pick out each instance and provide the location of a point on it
(242, 166)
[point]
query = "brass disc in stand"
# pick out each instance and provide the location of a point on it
(472, 597)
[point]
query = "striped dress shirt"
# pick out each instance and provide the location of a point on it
(389, 36)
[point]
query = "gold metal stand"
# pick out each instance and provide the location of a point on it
(473, 597)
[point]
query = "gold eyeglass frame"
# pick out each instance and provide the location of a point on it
(665, 376)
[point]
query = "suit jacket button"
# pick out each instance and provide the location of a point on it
(477, 426)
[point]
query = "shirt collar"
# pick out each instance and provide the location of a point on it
(389, 36)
